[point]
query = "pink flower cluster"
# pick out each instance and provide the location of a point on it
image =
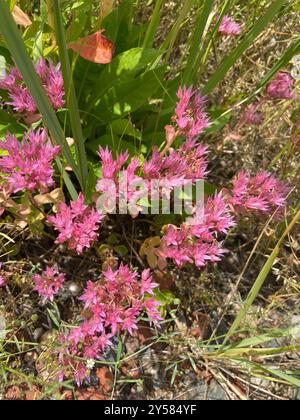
(251, 115)
(20, 97)
(197, 241)
(188, 163)
(111, 305)
(119, 180)
(229, 27)
(28, 165)
(77, 225)
(49, 283)
(281, 86)
(173, 169)
(262, 193)
(190, 117)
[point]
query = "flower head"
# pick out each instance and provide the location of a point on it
(19, 95)
(112, 305)
(251, 115)
(262, 193)
(190, 116)
(28, 165)
(281, 86)
(197, 241)
(77, 225)
(49, 283)
(229, 27)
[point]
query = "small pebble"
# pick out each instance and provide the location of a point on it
(74, 289)
(37, 333)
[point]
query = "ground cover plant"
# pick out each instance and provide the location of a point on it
(149, 199)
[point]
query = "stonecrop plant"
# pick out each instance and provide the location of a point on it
(92, 145)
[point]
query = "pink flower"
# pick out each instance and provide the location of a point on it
(22, 101)
(251, 115)
(197, 241)
(80, 374)
(229, 26)
(262, 193)
(151, 305)
(147, 286)
(90, 295)
(112, 305)
(77, 224)
(20, 97)
(118, 182)
(178, 167)
(49, 283)
(190, 116)
(52, 82)
(28, 165)
(281, 86)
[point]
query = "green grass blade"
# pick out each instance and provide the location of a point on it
(246, 42)
(17, 48)
(152, 27)
(204, 54)
(72, 105)
(195, 55)
(69, 184)
(170, 41)
(260, 281)
(255, 367)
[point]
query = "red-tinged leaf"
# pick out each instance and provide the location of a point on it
(20, 17)
(96, 48)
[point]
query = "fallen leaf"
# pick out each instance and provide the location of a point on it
(89, 394)
(96, 48)
(54, 197)
(13, 392)
(105, 378)
(20, 17)
(150, 249)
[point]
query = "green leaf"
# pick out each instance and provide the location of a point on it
(118, 23)
(124, 127)
(121, 250)
(123, 67)
(9, 123)
(126, 97)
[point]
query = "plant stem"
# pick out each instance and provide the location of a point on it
(72, 105)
